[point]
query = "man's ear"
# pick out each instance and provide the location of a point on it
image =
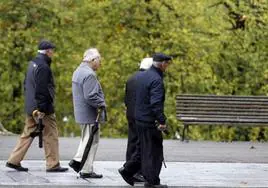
(161, 66)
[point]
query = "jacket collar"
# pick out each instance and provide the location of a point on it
(44, 57)
(157, 70)
(86, 66)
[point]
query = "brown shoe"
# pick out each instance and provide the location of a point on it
(16, 167)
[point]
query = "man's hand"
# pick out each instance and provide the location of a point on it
(162, 127)
(101, 107)
(38, 114)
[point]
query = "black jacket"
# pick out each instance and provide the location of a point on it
(150, 96)
(130, 94)
(39, 86)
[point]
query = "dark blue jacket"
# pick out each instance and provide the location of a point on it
(150, 97)
(130, 94)
(39, 87)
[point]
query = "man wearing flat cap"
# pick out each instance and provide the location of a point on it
(88, 101)
(150, 121)
(39, 97)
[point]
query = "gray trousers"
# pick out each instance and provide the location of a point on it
(86, 130)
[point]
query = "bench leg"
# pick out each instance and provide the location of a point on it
(183, 133)
(185, 128)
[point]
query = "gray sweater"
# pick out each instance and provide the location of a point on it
(87, 94)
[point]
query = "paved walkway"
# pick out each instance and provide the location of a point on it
(177, 174)
(191, 165)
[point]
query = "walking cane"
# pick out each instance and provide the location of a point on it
(163, 131)
(95, 128)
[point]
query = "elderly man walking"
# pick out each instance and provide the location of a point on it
(149, 111)
(133, 150)
(39, 93)
(88, 101)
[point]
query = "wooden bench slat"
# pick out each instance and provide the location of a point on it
(221, 107)
(221, 116)
(192, 119)
(222, 110)
(223, 97)
(226, 123)
(208, 102)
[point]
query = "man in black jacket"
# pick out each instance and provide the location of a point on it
(130, 100)
(39, 95)
(149, 110)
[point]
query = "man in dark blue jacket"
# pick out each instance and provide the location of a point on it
(149, 110)
(39, 96)
(130, 100)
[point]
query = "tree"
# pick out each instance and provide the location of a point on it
(218, 47)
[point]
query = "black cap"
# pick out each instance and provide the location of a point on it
(44, 45)
(160, 57)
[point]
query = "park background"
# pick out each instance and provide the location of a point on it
(219, 47)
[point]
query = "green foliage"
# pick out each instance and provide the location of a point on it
(212, 55)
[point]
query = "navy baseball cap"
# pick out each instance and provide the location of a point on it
(44, 45)
(160, 57)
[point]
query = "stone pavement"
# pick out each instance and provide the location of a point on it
(194, 164)
(177, 174)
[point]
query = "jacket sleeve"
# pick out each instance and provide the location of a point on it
(126, 93)
(91, 92)
(125, 97)
(42, 96)
(157, 96)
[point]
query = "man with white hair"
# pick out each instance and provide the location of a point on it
(150, 120)
(133, 152)
(88, 101)
(39, 96)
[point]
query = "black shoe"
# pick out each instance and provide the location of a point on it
(16, 167)
(57, 169)
(90, 175)
(125, 176)
(138, 178)
(148, 185)
(75, 165)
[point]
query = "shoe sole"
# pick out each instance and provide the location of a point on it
(56, 170)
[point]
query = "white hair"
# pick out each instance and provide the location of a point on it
(157, 63)
(42, 51)
(146, 63)
(91, 54)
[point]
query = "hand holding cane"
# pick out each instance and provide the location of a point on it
(39, 130)
(164, 129)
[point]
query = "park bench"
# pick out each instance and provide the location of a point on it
(227, 110)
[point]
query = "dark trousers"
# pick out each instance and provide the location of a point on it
(132, 138)
(133, 155)
(151, 144)
(149, 154)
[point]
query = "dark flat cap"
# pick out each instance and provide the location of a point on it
(160, 57)
(44, 45)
